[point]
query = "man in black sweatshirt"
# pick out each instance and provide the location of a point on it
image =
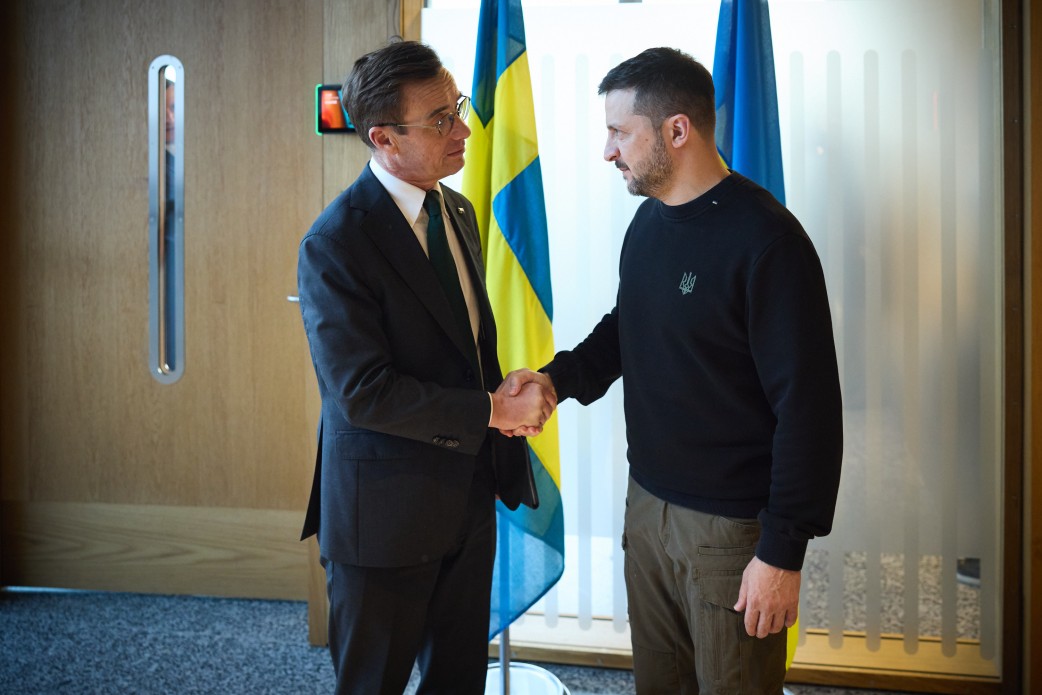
(723, 335)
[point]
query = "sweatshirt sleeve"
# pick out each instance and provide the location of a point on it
(586, 372)
(790, 334)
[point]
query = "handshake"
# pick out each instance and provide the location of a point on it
(523, 403)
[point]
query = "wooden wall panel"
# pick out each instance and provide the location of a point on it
(81, 420)
(102, 428)
(216, 551)
(9, 284)
(1032, 655)
(352, 29)
(411, 11)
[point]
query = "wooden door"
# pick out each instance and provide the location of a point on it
(108, 478)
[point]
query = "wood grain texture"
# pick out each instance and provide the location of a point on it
(11, 381)
(83, 422)
(230, 433)
(156, 549)
(352, 29)
(411, 13)
(1032, 652)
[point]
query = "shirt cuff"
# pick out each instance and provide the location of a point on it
(491, 407)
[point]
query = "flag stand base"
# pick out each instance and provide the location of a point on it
(505, 678)
(524, 679)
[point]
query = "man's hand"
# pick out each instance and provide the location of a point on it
(770, 598)
(513, 384)
(526, 410)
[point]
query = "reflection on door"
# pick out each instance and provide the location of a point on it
(166, 229)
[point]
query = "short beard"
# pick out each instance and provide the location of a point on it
(658, 172)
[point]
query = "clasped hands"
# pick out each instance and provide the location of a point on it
(523, 403)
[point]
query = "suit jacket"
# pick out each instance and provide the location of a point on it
(404, 411)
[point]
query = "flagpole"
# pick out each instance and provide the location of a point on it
(504, 600)
(504, 659)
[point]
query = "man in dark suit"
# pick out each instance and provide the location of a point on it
(403, 341)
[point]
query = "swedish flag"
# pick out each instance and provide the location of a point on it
(503, 179)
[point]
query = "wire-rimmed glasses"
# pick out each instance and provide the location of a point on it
(445, 122)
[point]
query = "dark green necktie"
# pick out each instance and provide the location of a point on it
(445, 267)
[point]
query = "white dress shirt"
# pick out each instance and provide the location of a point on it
(409, 200)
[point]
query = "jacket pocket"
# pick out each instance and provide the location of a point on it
(362, 445)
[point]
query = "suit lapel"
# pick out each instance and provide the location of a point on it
(395, 239)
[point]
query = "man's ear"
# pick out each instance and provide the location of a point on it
(381, 138)
(678, 130)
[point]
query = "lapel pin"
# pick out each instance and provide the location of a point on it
(460, 210)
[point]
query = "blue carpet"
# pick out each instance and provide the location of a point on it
(96, 643)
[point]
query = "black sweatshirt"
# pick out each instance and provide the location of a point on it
(723, 333)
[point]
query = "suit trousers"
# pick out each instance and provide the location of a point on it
(683, 574)
(436, 614)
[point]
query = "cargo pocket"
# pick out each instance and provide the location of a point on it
(721, 629)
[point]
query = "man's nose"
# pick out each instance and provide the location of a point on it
(463, 129)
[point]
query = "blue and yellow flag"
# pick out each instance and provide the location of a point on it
(747, 131)
(503, 180)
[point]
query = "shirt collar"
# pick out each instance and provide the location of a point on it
(406, 196)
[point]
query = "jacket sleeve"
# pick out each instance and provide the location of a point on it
(384, 370)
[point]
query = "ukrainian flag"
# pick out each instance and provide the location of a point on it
(503, 179)
(747, 132)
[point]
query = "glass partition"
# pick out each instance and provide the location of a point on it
(890, 113)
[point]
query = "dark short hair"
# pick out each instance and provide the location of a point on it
(372, 92)
(666, 81)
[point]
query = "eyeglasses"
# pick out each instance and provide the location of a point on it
(446, 121)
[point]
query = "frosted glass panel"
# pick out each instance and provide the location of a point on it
(890, 126)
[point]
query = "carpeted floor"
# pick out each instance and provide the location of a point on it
(65, 643)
